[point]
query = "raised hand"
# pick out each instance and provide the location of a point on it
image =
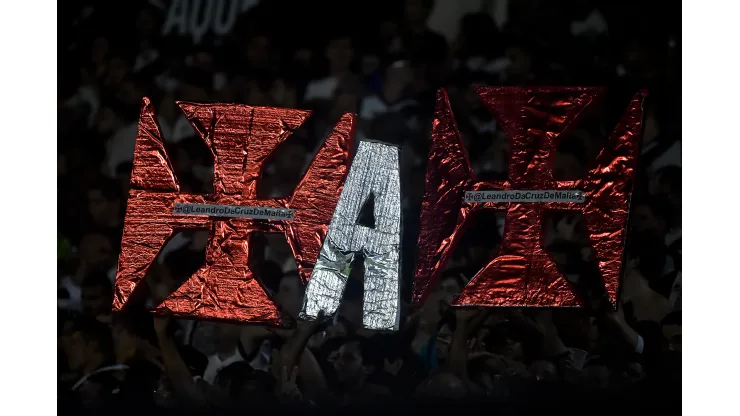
(160, 324)
(287, 388)
(255, 332)
(465, 315)
(291, 351)
(617, 316)
(308, 328)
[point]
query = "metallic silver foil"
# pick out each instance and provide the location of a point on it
(375, 170)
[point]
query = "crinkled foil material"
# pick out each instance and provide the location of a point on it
(375, 170)
(523, 273)
(240, 138)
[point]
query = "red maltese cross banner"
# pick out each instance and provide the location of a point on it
(241, 138)
(522, 273)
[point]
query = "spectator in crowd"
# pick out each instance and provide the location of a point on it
(392, 114)
(87, 348)
(105, 209)
(289, 296)
(97, 296)
(339, 54)
(227, 352)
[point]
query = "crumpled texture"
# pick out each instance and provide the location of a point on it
(522, 273)
(240, 138)
(374, 171)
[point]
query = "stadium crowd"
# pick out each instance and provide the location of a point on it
(380, 60)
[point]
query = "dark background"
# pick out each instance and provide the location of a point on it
(380, 60)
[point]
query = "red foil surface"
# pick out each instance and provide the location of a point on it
(241, 138)
(522, 273)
